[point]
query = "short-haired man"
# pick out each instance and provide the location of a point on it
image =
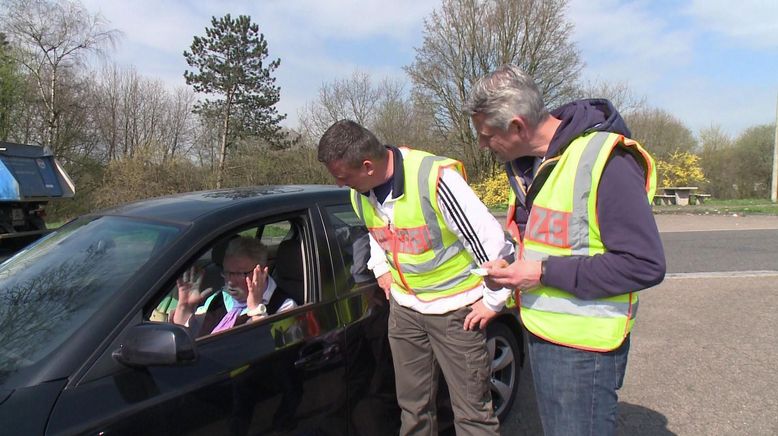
(428, 230)
(581, 209)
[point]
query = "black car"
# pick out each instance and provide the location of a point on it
(86, 346)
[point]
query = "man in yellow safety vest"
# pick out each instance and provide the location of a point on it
(428, 231)
(580, 211)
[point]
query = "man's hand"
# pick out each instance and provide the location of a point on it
(522, 275)
(256, 284)
(189, 294)
(385, 282)
(490, 266)
(479, 316)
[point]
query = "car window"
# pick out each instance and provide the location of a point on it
(49, 289)
(216, 277)
(353, 241)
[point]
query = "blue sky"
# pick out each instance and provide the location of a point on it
(708, 62)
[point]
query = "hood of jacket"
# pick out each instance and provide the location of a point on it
(584, 116)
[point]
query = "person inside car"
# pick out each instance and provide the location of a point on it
(248, 292)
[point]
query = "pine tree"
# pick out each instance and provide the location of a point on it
(231, 63)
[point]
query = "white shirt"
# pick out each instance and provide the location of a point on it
(476, 228)
(268, 294)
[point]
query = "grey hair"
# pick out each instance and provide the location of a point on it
(505, 93)
(250, 248)
(349, 141)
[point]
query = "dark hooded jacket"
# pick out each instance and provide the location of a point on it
(634, 257)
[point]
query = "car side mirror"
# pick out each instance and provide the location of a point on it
(155, 344)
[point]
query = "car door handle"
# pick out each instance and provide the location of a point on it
(317, 357)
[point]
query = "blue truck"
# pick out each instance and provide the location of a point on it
(30, 177)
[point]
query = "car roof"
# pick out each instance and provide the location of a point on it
(189, 206)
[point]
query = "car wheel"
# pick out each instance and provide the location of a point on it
(506, 365)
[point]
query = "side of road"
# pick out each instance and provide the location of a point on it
(685, 223)
(690, 222)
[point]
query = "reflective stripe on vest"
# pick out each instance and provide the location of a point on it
(563, 222)
(425, 258)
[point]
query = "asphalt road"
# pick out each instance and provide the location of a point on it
(704, 348)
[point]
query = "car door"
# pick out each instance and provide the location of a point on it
(365, 312)
(283, 374)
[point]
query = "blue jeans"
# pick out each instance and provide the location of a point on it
(576, 389)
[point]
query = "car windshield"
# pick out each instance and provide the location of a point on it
(49, 289)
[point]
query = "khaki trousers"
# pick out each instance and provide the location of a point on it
(422, 345)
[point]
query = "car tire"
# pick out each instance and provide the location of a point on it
(505, 357)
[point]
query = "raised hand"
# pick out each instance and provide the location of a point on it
(189, 294)
(256, 283)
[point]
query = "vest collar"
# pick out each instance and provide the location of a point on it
(397, 182)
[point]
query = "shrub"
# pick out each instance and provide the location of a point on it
(493, 191)
(680, 169)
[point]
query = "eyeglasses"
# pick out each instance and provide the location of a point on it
(236, 274)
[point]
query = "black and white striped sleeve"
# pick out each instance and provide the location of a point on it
(477, 229)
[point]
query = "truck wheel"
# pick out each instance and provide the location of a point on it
(506, 365)
(37, 223)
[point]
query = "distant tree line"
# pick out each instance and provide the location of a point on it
(123, 136)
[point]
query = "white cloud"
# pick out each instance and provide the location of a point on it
(626, 42)
(751, 22)
(169, 26)
(652, 46)
(664, 52)
(154, 25)
(300, 32)
(350, 19)
(704, 102)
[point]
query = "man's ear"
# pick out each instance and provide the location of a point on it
(520, 125)
(523, 129)
(369, 166)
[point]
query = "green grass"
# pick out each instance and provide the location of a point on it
(749, 206)
(51, 225)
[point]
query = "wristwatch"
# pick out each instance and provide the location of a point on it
(542, 271)
(260, 310)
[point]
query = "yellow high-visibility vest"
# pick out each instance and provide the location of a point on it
(563, 222)
(425, 258)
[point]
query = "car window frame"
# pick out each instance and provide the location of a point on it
(343, 287)
(299, 218)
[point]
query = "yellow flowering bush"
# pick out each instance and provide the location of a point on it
(680, 169)
(493, 191)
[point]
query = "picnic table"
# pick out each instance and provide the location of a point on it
(680, 195)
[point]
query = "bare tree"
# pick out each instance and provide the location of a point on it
(132, 112)
(660, 132)
(179, 121)
(753, 150)
(107, 114)
(716, 159)
(52, 37)
(618, 93)
(465, 39)
(385, 108)
(354, 98)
